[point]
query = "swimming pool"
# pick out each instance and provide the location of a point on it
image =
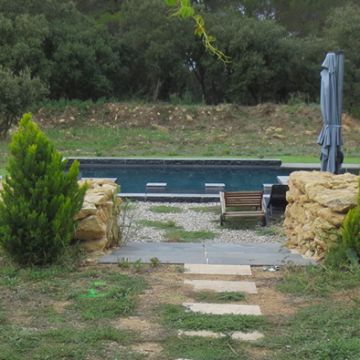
(186, 176)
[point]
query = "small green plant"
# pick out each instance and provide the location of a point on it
(138, 266)
(39, 200)
(159, 224)
(180, 235)
(163, 209)
(124, 263)
(154, 262)
(179, 269)
(318, 281)
(126, 220)
(211, 296)
(268, 230)
(204, 348)
(347, 250)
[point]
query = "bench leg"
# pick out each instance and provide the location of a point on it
(263, 221)
(221, 220)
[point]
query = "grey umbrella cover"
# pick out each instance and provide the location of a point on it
(331, 104)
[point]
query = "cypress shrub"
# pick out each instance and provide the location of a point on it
(39, 199)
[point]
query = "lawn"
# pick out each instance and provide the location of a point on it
(133, 312)
(165, 130)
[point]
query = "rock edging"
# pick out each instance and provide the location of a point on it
(317, 205)
(98, 226)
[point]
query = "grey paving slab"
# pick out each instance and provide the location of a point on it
(254, 254)
(231, 254)
(222, 286)
(165, 252)
(223, 269)
(223, 309)
(237, 335)
(252, 336)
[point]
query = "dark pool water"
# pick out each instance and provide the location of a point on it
(186, 179)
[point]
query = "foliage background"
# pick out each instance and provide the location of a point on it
(135, 49)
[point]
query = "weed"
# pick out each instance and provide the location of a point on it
(60, 343)
(65, 312)
(243, 224)
(214, 297)
(179, 269)
(163, 209)
(205, 349)
(3, 319)
(318, 281)
(268, 231)
(326, 331)
(178, 235)
(159, 224)
(126, 220)
(154, 262)
(107, 299)
(138, 266)
(124, 263)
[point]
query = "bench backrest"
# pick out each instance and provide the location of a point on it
(243, 198)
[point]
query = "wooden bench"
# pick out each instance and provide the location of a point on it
(242, 205)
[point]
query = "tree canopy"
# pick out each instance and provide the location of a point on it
(128, 49)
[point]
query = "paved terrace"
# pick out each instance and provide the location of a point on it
(197, 253)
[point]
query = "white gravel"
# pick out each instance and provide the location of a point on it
(191, 220)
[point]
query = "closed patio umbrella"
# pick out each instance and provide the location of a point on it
(330, 140)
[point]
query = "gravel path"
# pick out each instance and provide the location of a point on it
(191, 218)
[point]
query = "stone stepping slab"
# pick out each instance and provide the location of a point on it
(211, 269)
(223, 286)
(223, 309)
(179, 253)
(237, 335)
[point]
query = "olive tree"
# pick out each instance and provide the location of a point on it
(17, 93)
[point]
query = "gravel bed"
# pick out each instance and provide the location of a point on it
(192, 220)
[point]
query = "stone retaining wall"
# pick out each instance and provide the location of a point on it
(318, 203)
(98, 226)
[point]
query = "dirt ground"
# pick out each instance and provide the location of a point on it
(270, 122)
(166, 287)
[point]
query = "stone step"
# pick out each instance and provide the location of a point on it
(215, 269)
(223, 309)
(237, 335)
(222, 286)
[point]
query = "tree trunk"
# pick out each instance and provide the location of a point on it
(156, 92)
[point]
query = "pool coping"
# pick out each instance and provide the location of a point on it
(121, 161)
(84, 160)
(184, 161)
(171, 197)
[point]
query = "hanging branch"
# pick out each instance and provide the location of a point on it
(185, 10)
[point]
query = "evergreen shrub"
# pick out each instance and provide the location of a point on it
(39, 199)
(347, 250)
